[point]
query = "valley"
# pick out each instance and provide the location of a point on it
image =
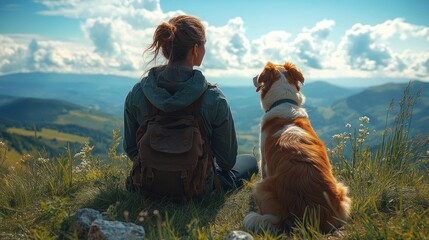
(58, 110)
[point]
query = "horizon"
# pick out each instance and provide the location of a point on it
(370, 82)
(355, 44)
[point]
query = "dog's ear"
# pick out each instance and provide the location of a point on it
(293, 74)
(270, 72)
(270, 66)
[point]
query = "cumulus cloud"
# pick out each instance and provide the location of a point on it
(362, 50)
(100, 32)
(12, 55)
(311, 46)
(369, 48)
(227, 46)
(119, 31)
(322, 29)
(274, 46)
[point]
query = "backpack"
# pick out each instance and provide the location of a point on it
(174, 154)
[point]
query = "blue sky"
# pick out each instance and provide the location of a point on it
(346, 42)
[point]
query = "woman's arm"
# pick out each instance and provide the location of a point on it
(224, 140)
(130, 128)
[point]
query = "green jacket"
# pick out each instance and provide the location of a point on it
(173, 88)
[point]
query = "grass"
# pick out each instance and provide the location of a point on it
(50, 134)
(387, 175)
(11, 157)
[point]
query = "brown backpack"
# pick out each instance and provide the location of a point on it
(174, 154)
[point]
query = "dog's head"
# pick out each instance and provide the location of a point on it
(277, 82)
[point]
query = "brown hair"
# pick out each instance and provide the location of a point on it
(176, 37)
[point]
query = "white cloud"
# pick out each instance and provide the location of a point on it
(273, 46)
(12, 55)
(227, 46)
(119, 31)
(362, 50)
(100, 32)
(322, 29)
(369, 48)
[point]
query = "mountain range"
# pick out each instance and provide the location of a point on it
(91, 105)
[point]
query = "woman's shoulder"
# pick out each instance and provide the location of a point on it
(136, 92)
(215, 91)
(213, 97)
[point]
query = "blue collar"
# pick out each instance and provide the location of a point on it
(281, 101)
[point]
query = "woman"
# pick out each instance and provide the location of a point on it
(176, 85)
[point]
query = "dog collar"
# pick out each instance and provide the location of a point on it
(281, 101)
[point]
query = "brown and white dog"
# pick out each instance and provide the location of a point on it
(296, 173)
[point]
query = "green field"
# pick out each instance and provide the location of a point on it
(86, 120)
(49, 134)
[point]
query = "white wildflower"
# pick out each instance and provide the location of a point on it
(348, 125)
(26, 157)
(2, 144)
(364, 119)
(360, 140)
(77, 170)
(43, 160)
(337, 136)
(80, 155)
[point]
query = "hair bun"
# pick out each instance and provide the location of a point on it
(181, 33)
(172, 27)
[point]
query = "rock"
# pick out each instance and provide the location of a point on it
(83, 220)
(239, 235)
(91, 224)
(112, 230)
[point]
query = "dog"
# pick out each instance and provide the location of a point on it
(297, 179)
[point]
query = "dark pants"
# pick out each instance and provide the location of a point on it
(245, 166)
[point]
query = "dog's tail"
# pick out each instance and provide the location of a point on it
(256, 222)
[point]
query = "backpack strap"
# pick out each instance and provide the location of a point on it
(196, 107)
(151, 109)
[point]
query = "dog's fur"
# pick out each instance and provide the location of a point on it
(296, 174)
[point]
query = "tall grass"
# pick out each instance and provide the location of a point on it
(386, 173)
(389, 185)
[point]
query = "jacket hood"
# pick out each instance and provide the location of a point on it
(174, 87)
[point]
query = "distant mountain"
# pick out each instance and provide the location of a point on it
(100, 92)
(373, 102)
(76, 102)
(324, 94)
(4, 99)
(107, 92)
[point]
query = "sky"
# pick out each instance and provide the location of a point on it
(346, 42)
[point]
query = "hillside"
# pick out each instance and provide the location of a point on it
(328, 105)
(373, 102)
(55, 123)
(30, 110)
(107, 92)
(40, 195)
